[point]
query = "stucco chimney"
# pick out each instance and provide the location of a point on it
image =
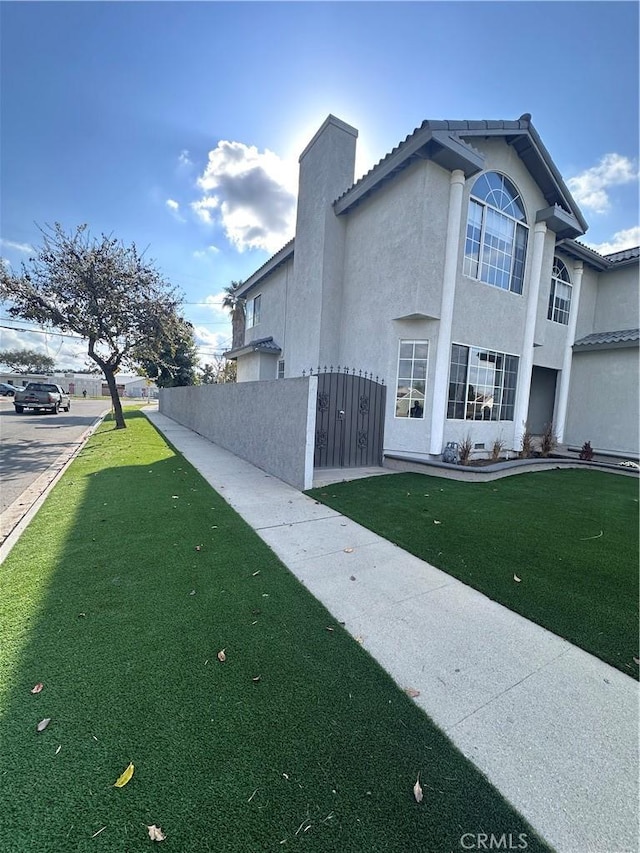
(313, 315)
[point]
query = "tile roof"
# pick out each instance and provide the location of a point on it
(267, 345)
(624, 255)
(606, 340)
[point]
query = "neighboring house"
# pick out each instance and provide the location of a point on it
(93, 384)
(452, 271)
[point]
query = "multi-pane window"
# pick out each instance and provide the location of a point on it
(280, 372)
(412, 379)
(253, 311)
(496, 240)
(482, 384)
(560, 294)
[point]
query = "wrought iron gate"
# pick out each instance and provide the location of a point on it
(349, 419)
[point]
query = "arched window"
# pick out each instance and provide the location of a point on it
(496, 242)
(560, 294)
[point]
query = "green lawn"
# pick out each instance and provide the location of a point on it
(570, 536)
(118, 597)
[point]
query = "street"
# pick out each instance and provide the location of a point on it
(31, 442)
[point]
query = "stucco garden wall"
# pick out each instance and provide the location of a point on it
(603, 401)
(270, 424)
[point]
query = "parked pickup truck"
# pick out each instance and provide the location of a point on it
(41, 395)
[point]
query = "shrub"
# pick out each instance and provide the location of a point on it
(587, 452)
(549, 441)
(526, 450)
(497, 449)
(464, 450)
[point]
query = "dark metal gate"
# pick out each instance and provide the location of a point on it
(349, 419)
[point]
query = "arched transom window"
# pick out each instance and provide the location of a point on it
(560, 293)
(496, 242)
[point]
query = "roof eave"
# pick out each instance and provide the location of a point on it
(270, 266)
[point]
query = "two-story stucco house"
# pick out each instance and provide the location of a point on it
(452, 270)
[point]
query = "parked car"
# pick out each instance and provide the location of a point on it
(43, 396)
(6, 390)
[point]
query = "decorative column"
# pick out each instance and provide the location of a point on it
(565, 375)
(443, 350)
(526, 359)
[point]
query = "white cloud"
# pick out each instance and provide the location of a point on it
(184, 159)
(210, 343)
(172, 205)
(627, 239)
(206, 253)
(18, 247)
(254, 193)
(590, 188)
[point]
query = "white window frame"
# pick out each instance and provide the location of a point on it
(472, 266)
(413, 397)
(560, 280)
(253, 311)
(475, 406)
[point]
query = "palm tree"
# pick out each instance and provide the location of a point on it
(235, 304)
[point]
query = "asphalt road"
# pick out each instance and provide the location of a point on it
(31, 442)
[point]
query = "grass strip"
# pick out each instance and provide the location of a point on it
(570, 536)
(118, 598)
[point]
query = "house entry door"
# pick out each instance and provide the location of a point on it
(349, 419)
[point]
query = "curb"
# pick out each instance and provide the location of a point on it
(15, 519)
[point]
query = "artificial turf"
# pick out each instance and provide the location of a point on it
(118, 597)
(569, 536)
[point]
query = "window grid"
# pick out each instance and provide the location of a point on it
(280, 372)
(496, 238)
(560, 294)
(482, 384)
(413, 359)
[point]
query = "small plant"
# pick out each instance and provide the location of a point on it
(587, 452)
(526, 449)
(548, 442)
(464, 450)
(497, 448)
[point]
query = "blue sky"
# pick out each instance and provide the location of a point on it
(146, 119)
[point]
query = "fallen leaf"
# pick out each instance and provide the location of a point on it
(637, 660)
(436, 522)
(155, 833)
(122, 780)
(221, 656)
(352, 578)
(412, 692)
(37, 688)
(255, 573)
(175, 497)
(417, 790)
(256, 678)
(328, 628)
(98, 832)
(198, 548)
(348, 550)
(253, 795)
(193, 592)
(359, 640)
(517, 579)
(58, 749)
(42, 725)
(81, 615)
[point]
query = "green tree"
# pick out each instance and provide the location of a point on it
(177, 359)
(221, 370)
(236, 305)
(26, 361)
(102, 290)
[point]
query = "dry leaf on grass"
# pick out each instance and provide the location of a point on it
(155, 833)
(436, 522)
(359, 640)
(329, 628)
(58, 749)
(42, 725)
(255, 573)
(37, 688)
(98, 832)
(198, 547)
(417, 790)
(517, 579)
(256, 678)
(122, 780)
(221, 656)
(412, 692)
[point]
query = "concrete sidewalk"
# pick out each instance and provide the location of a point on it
(553, 728)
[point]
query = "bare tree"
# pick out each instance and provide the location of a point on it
(102, 290)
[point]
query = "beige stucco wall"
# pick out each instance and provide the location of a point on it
(617, 300)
